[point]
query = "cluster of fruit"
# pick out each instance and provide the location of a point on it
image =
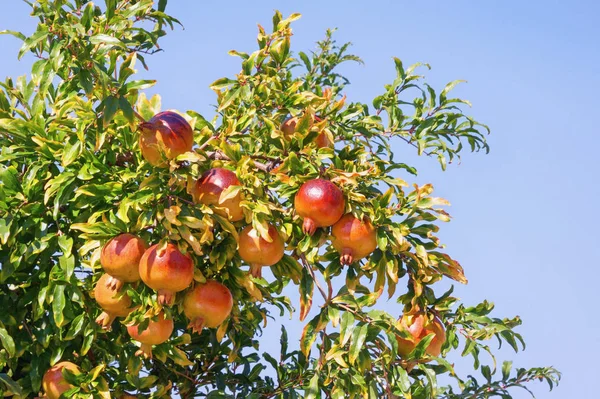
(127, 258)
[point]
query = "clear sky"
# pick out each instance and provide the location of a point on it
(525, 216)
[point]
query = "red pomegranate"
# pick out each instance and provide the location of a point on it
(158, 331)
(164, 137)
(353, 238)
(120, 258)
(113, 303)
(167, 271)
(208, 190)
(258, 252)
(207, 305)
(54, 383)
(321, 204)
(419, 326)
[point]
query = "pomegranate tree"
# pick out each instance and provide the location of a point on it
(320, 203)
(120, 258)
(167, 271)
(207, 305)
(353, 238)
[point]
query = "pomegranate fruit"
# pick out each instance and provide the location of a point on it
(120, 258)
(353, 238)
(113, 303)
(320, 203)
(208, 190)
(54, 383)
(257, 251)
(167, 271)
(207, 305)
(419, 326)
(157, 332)
(164, 137)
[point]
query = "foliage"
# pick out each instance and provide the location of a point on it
(72, 177)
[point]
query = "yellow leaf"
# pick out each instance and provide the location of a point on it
(171, 215)
(187, 235)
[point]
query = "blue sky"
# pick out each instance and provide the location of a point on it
(525, 216)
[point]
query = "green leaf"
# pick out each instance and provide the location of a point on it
(86, 81)
(358, 339)
(16, 34)
(346, 328)
(229, 98)
(58, 305)
(70, 153)
(33, 40)
(110, 106)
(312, 391)
(7, 341)
(127, 109)
(306, 288)
(103, 39)
(11, 387)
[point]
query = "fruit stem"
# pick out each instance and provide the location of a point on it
(347, 256)
(145, 351)
(309, 227)
(166, 297)
(105, 320)
(113, 283)
(196, 325)
(256, 270)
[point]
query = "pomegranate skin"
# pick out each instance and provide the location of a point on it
(257, 251)
(167, 271)
(353, 238)
(53, 382)
(157, 332)
(112, 303)
(419, 326)
(120, 258)
(209, 187)
(320, 203)
(207, 305)
(164, 137)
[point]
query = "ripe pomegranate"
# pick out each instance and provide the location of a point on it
(112, 302)
(353, 238)
(164, 137)
(257, 251)
(419, 325)
(321, 204)
(158, 331)
(207, 305)
(53, 382)
(209, 187)
(120, 258)
(167, 271)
